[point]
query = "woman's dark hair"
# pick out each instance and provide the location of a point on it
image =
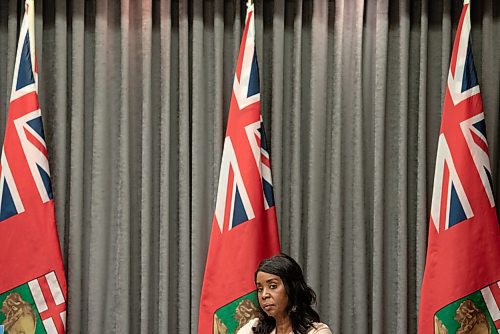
(300, 296)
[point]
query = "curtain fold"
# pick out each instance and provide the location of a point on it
(135, 98)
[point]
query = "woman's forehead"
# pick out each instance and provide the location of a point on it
(263, 277)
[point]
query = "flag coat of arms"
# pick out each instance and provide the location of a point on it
(244, 229)
(461, 285)
(32, 283)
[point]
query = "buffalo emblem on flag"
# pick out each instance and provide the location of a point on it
(35, 307)
(19, 314)
(477, 313)
(231, 317)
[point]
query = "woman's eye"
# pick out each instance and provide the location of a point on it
(273, 286)
(259, 290)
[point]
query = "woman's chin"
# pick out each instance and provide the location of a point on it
(270, 313)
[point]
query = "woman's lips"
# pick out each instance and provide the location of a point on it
(267, 307)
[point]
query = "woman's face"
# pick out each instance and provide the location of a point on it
(272, 294)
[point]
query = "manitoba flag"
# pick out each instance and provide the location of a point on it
(462, 272)
(244, 229)
(32, 279)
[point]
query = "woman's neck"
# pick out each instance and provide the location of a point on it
(283, 325)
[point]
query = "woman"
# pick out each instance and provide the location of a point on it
(285, 300)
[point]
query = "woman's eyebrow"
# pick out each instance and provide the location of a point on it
(274, 280)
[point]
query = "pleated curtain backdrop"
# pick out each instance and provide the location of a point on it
(135, 96)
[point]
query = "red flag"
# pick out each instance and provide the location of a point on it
(32, 278)
(462, 270)
(244, 228)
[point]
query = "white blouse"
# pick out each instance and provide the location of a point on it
(320, 328)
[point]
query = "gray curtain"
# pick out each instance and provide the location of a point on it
(135, 96)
